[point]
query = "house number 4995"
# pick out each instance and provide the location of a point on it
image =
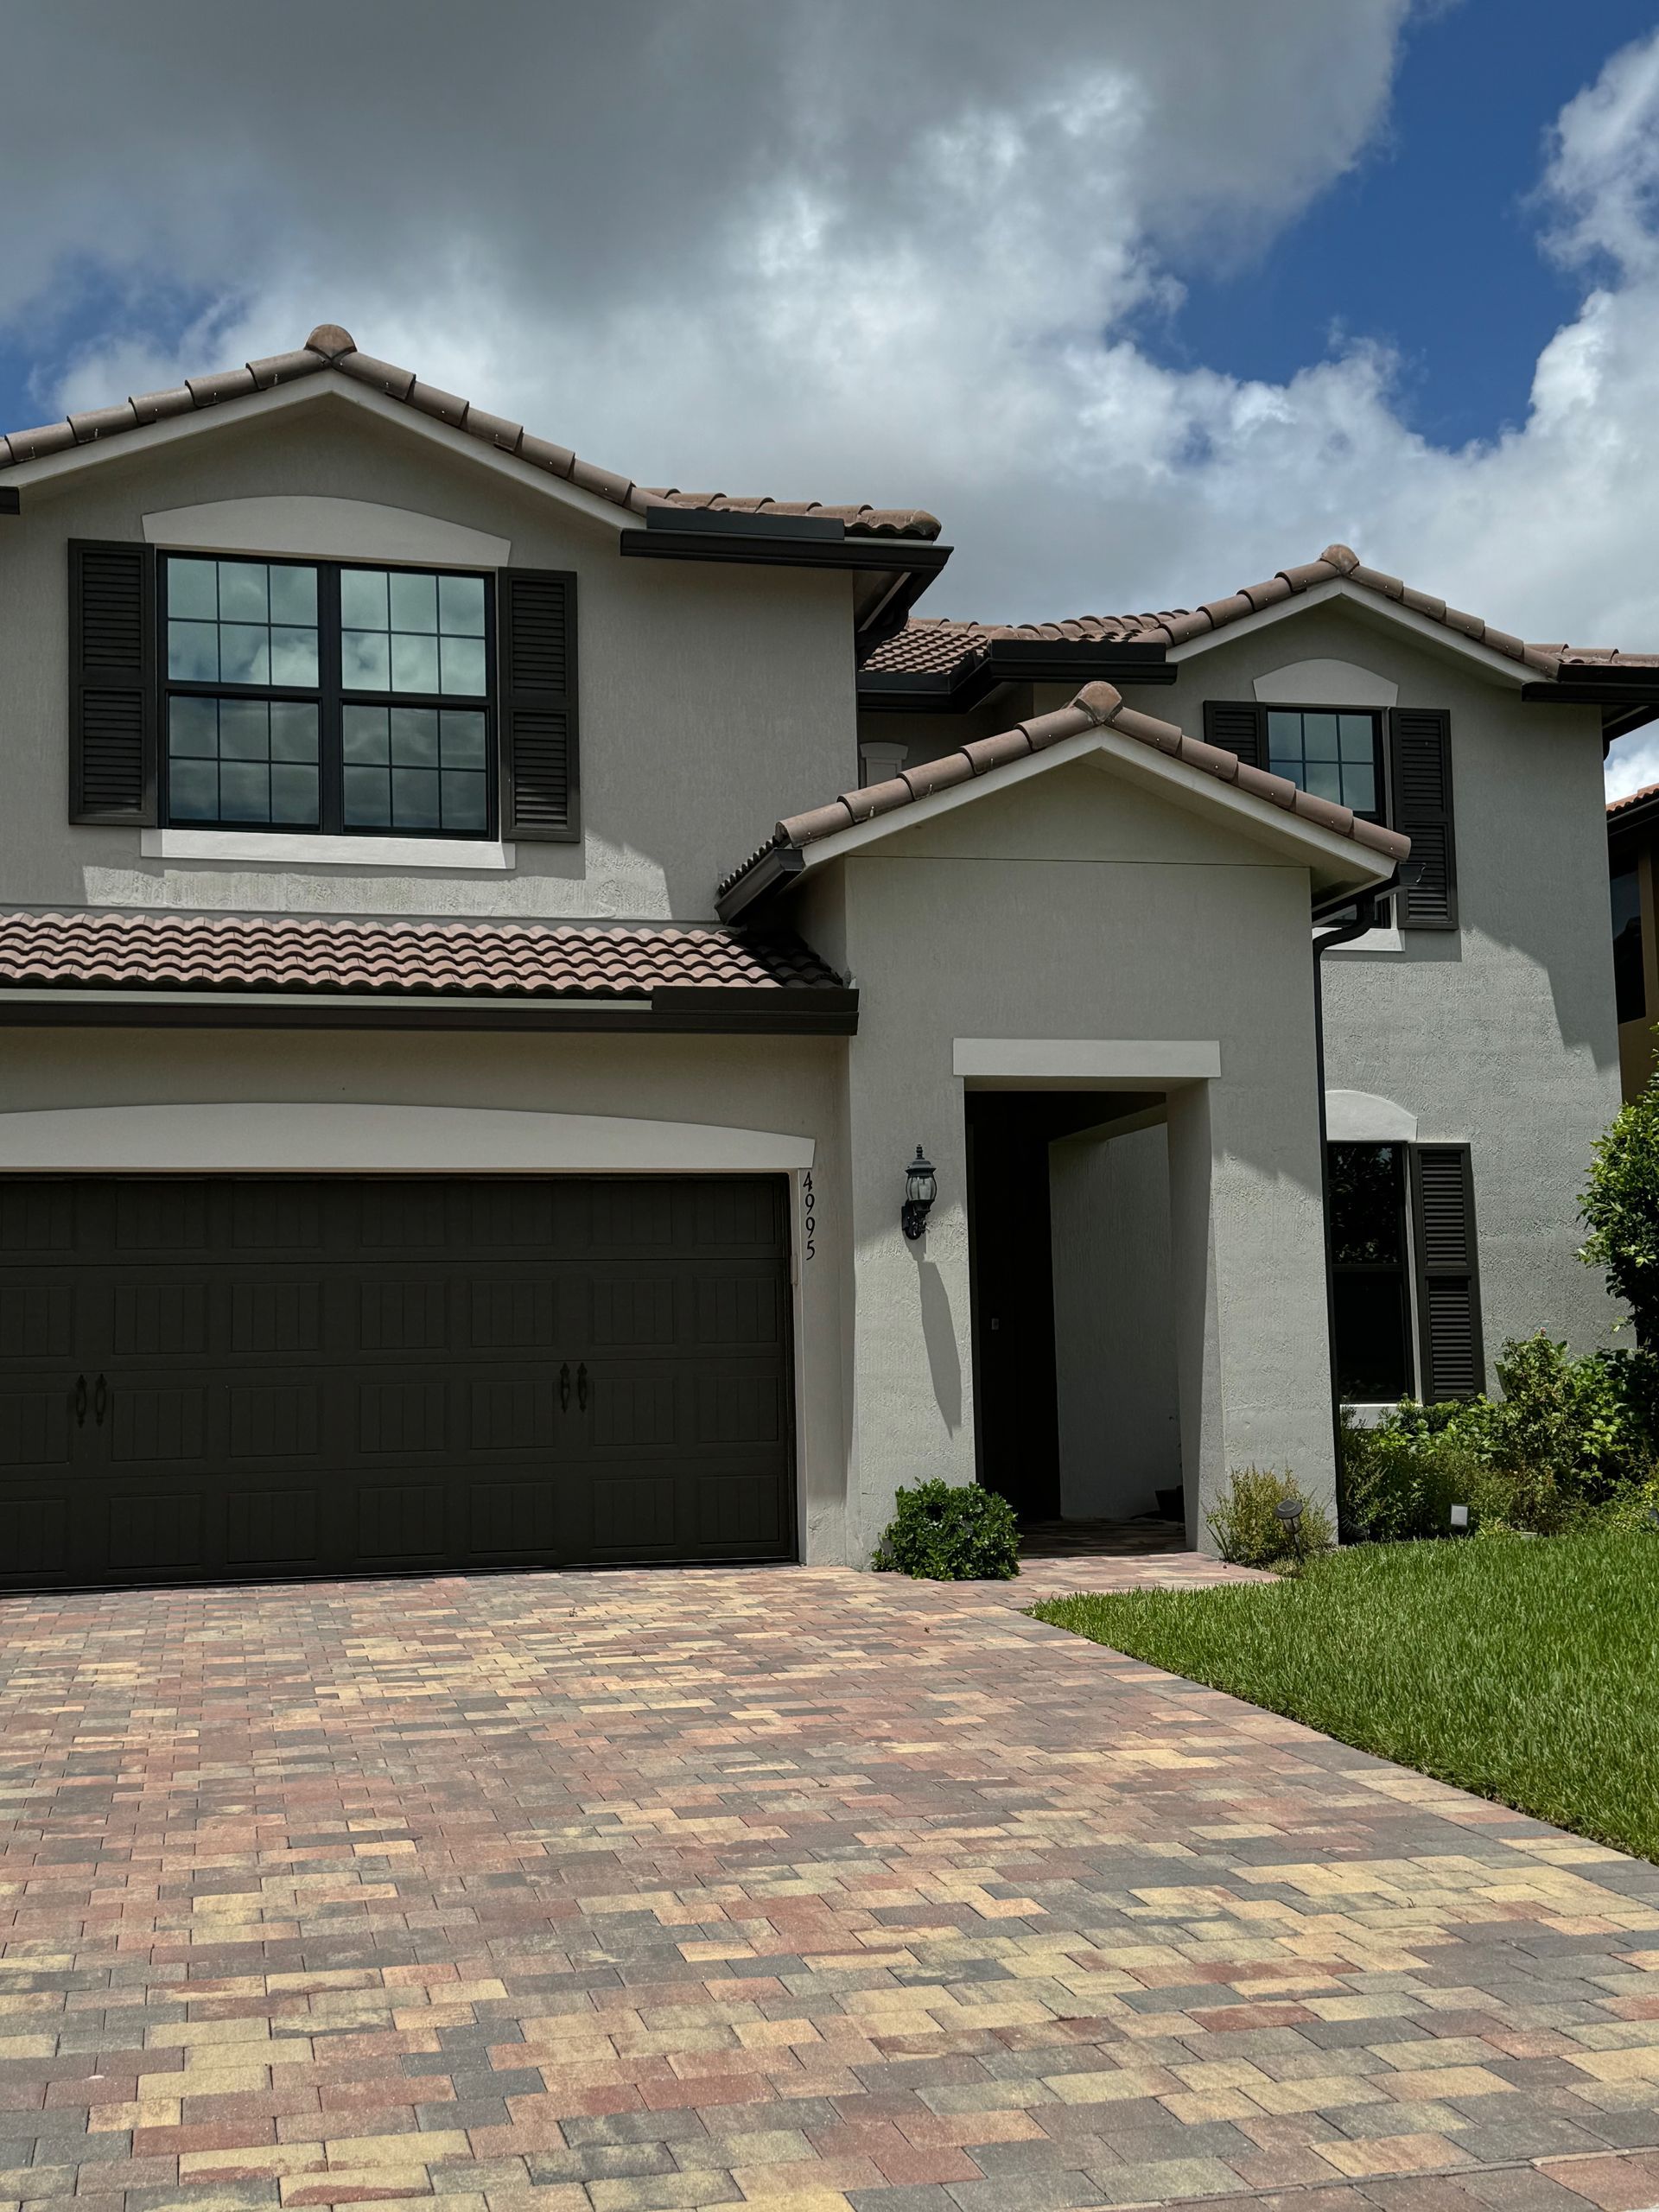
(809, 1209)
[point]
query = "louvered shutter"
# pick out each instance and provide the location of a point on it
(1238, 725)
(112, 709)
(1453, 1364)
(1419, 740)
(536, 621)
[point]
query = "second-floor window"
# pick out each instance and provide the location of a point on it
(327, 696)
(1332, 752)
(1629, 983)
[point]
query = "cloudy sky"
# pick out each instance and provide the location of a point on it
(1146, 298)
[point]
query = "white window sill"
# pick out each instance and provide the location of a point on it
(1385, 940)
(283, 848)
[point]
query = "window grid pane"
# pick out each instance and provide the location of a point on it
(405, 630)
(1328, 754)
(246, 761)
(251, 622)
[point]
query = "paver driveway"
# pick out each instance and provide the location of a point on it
(797, 1887)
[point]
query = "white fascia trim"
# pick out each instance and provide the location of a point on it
(276, 848)
(1512, 672)
(1334, 860)
(1104, 1059)
(323, 385)
(308, 1137)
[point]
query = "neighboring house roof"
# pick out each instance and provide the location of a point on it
(329, 347)
(148, 950)
(934, 645)
(1631, 799)
(1097, 706)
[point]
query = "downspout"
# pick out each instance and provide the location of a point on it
(1365, 915)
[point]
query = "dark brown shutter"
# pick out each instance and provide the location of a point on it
(1453, 1362)
(112, 709)
(1238, 725)
(536, 621)
(1419, 740)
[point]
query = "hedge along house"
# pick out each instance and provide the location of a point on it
(422, 1144)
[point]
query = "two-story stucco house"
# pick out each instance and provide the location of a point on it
(464, 1063)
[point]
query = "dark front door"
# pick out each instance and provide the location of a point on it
(229, 1378)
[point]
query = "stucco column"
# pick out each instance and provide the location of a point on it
(1247, 1243)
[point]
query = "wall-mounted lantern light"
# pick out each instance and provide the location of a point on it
(921, 1188)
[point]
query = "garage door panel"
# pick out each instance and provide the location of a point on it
(273, 1421)
(401, 1523)
(158, 1532)
(150, 1421)
(401, 1313)
(276, 1317)
(406, 1416)
(37, 1431)
(149, 1317)
(272, 1528)
(332, 1376)
(37, 1321)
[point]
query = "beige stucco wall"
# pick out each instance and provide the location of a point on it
(1073, 906)
(780, 1086)
(713, 697)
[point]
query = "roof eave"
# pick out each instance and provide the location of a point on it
(326, 386)
(1371, 605)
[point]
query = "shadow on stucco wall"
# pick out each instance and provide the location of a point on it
(939, 1334)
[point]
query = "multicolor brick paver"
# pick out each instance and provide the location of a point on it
(792, 1888)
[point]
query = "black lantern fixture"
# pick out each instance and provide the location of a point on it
(921, 1188)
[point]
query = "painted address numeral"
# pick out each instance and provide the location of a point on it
(810, 1212)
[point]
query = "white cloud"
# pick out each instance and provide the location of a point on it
(812, 247)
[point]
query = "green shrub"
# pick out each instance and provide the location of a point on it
(1247, 1530)
(1620, 1208)
(1398, 1481)
(949, 1532)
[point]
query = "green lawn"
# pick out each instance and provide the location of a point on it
(1527, 1671)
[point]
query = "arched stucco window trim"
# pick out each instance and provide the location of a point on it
(1362, 1117)
(283, 1137)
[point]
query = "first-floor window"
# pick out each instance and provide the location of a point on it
(1368, 1272)
(317, 695)
(1630, 987)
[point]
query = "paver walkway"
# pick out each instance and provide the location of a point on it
(794, 1888)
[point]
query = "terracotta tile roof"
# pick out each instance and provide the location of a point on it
(1097, 706)
(330, 347)
(106, 950)
(1631, 798)
(935, 645)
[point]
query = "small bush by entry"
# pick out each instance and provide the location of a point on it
(1248, 1528)
(950, 1532)
(1522, 1671)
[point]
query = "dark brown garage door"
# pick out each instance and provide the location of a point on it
(224, 1378)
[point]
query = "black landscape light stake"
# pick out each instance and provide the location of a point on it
(1288, 1514)
(921, 1188)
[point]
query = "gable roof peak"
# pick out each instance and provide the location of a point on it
(332, 351)
(1339, 556)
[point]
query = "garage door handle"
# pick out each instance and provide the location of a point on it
(100, 1400)
(582, 1386)
(564, 1386)
(80, 1401)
